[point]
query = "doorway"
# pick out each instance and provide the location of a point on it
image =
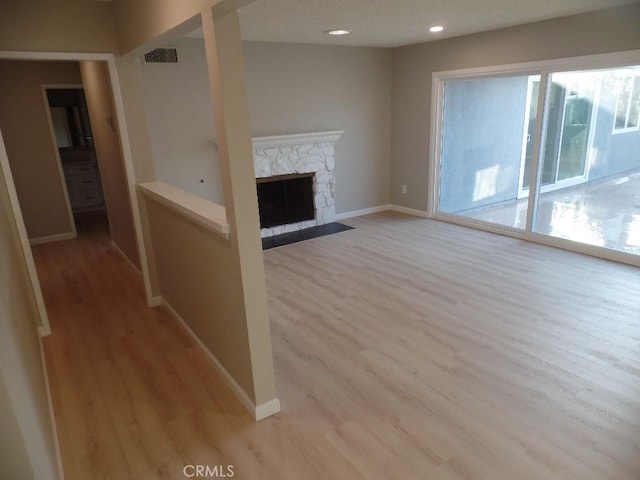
(71, 126)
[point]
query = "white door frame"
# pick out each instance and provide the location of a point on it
(44, 328)
(56, 153)
(526, 138)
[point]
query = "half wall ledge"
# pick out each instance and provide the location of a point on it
(209, 215)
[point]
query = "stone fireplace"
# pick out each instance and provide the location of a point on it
(288, 155)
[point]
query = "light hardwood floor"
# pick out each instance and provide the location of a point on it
(404, 349)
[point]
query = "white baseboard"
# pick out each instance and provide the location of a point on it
(155, 301)
(52, 238)
(382, 208)
(44, 331)
(364, 211)
(258, 412)
(409, 211)
(267, 409)
(52, 417)
(115, 246)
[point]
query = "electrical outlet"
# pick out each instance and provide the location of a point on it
(404, 189)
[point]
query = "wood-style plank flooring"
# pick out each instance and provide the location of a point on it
(403, 349)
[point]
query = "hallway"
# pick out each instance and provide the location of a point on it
(128, 384)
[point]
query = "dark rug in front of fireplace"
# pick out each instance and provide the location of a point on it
(302, 235)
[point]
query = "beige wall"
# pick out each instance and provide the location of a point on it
(291, 89)
(143, 21)
(137, 124)
(137, 130)
(200, 279)
(296, 88)
(57, 26)
(178, 106)
(21, 360)
(608, 31)
(23, 121)
(14, 460)
(105, 128)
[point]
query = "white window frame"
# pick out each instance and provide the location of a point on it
(634, 78)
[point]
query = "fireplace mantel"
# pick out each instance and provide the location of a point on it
(300, 153)
(296, 139)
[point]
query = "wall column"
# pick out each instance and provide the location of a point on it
(225, 61)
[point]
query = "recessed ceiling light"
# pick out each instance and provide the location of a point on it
(338, 31)
(436, 29)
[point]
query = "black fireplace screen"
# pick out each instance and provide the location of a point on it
(285, 199)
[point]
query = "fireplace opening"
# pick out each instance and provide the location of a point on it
(285, 199)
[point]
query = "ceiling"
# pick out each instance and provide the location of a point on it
(392, 23)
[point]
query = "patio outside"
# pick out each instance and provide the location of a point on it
(600, 213)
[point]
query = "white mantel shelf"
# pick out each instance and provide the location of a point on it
(296, 139)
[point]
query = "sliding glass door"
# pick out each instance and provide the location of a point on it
(487, 125)
(573, 135)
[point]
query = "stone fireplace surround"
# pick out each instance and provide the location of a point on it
(301, 153)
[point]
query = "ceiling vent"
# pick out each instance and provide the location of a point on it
(161, 55)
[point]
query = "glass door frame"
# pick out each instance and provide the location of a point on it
(569, 182)
(545, 69)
